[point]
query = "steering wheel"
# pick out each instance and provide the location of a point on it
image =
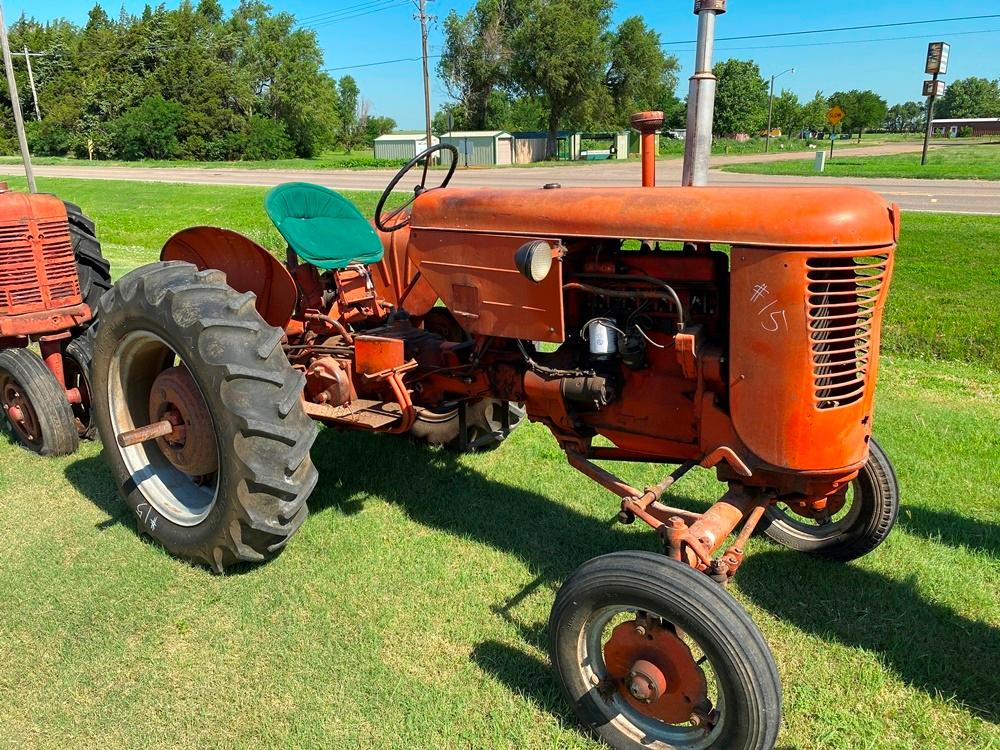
(380, 220)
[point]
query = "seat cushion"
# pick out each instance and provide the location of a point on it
(321, 226)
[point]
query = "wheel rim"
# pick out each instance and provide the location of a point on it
(77, 378)
(606, 649)
(820, 527)
(138, 394)
(20, 413)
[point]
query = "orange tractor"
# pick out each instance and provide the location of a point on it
(51, 275)
(727, 328)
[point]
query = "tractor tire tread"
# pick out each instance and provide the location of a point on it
(264, 441)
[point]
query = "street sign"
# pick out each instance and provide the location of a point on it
(835, 115)
(937, 58)
(934, 88)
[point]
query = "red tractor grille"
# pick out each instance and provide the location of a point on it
(37, 267)
(844, 296)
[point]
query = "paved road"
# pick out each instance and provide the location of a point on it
(958, 196)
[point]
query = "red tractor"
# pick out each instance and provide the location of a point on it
(51, 275)
(727, 328)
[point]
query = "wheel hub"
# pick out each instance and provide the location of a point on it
(654, 670)
(19, 411)
(175, 397)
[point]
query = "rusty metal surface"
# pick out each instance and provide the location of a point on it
(191, 445)
(655, 671)
(377, 354)
(475, 276)
(647, 123)
(822, 217)
(248, 267)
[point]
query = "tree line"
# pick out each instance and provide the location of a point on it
(551, 65)
(188, 83)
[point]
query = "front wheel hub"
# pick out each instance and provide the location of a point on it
(654, 670)
(175, 397)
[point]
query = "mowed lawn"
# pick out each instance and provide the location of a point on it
(950, 162)
(410, 610)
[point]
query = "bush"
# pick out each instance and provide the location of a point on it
(265, 140)
(48, 138)
(149, 131)
(965, 132)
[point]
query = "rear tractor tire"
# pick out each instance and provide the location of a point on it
(229, 484)
(869, 513)
(34, 405)
(92, 269)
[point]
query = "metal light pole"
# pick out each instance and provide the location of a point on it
(770, 108)
(701, 96)
(15, 103)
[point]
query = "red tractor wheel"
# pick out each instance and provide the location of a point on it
(227, 482)
(35, 405)
(76, 366)
(652, 654)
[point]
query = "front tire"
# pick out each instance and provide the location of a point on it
(34, 405)
(484, 425)
(232, 487)
(861, 526)
(683, 615)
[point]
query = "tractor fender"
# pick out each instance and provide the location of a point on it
(248, 268)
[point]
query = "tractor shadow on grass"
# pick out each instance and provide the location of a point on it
(436, 489)
(951, 529)
(926, 644)
(91, 478)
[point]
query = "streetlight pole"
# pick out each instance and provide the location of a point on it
(770, 108)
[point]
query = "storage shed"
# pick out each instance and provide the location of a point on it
(480, 147)
(397, 146)
(975, 126)
(529, 145)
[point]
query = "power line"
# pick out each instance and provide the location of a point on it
(853, 41)
(841, 28)
(334, 15)
(338, 19)
(380, 62)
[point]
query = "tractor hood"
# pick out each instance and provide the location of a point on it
(821, 217)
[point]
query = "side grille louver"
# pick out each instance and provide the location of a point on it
(843, 296)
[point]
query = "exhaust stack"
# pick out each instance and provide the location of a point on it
(647, 123)
(701, 96)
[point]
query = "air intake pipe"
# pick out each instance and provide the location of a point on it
(647, 123)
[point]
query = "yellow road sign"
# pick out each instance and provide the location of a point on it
(835, 115)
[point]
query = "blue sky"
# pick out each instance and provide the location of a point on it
(893, 66)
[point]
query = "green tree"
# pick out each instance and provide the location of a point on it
(813, 114)
(640, 76)
(475, 60)
(149, 130)
(909, 117)
(560, 56)
(740, 99)
(377, 126)
(787, 112)
(863, 110)
(970, 97)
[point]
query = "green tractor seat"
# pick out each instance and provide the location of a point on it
(322, 226)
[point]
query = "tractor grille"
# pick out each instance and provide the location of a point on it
(844, 295)
(37, 267)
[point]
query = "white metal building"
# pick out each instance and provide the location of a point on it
(401, 145)
(480, 147)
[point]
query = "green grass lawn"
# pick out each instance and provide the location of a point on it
(360, 159)
(410, 610)
(980, 162)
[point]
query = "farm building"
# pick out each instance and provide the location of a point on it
(529, 145)
(978, 125)
(480, 147)
(401, 145)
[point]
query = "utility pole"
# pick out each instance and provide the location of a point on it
(770, 108)
(15, 103)
(701, 96)
(31, 82)
(423, 17)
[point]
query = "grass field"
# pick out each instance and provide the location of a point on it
(980, 162)
(360, 159)
(410, 610)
